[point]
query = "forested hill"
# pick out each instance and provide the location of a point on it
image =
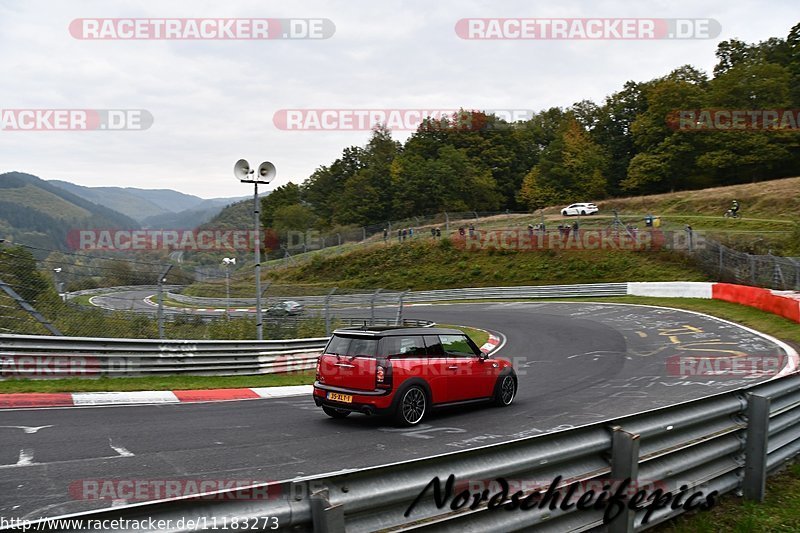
(35, 212)
(628, 144)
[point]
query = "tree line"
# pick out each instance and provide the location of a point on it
(624, 145)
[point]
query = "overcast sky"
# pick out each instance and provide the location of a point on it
(213, 101)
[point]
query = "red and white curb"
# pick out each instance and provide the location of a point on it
(83, 399)
(149, 301)
(491, 344)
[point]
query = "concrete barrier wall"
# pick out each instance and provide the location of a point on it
(763, 299)
(673, 289)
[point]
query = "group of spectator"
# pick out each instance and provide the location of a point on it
(565, 229)
(402, 234)
(462, 231)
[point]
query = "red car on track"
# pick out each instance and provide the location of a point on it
(404, 372)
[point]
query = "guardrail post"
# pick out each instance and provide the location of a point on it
(399, 319)
(372, 306)
(328, 312)
(325, 517)
(755, 465)
(624, 465)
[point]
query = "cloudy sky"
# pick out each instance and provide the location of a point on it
(213, 101)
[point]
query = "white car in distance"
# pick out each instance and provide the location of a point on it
(579, 209)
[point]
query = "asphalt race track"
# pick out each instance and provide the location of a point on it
(577, 363)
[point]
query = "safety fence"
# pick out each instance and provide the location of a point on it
(729, 265)
(643, 469)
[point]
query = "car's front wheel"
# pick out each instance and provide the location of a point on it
(412, 407)
(335, 413)
(505, 390)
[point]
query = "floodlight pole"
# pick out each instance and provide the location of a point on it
(265, 174)
(257, 221)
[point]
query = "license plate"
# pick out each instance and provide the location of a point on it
(336, 397)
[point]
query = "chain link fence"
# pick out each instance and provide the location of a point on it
(732, 266)
(53, 292)
(46, 291)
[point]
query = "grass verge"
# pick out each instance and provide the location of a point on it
(778, 514)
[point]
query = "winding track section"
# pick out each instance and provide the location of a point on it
(577, 363)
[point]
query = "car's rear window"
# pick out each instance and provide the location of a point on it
(352, 346)
(406, 346)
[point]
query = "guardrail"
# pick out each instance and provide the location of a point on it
(700, 449)
(103, 290)
(364, 299)
(59, 357)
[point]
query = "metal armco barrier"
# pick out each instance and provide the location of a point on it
(59, 357)
(364, 299)
(722, 443)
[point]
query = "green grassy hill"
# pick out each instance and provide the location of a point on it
(37, 213)
(775, 199)
(425, 264)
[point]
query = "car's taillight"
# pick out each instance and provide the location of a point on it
(383, 375)
(319, 363)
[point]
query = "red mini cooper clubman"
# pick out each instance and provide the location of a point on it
(404, 372)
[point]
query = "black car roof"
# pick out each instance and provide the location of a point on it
(390, 331)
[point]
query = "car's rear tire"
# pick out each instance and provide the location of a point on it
(506, 390)
(583, 213)
(412, 407)
(335, 413)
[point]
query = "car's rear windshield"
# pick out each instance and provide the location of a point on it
(352, 346)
